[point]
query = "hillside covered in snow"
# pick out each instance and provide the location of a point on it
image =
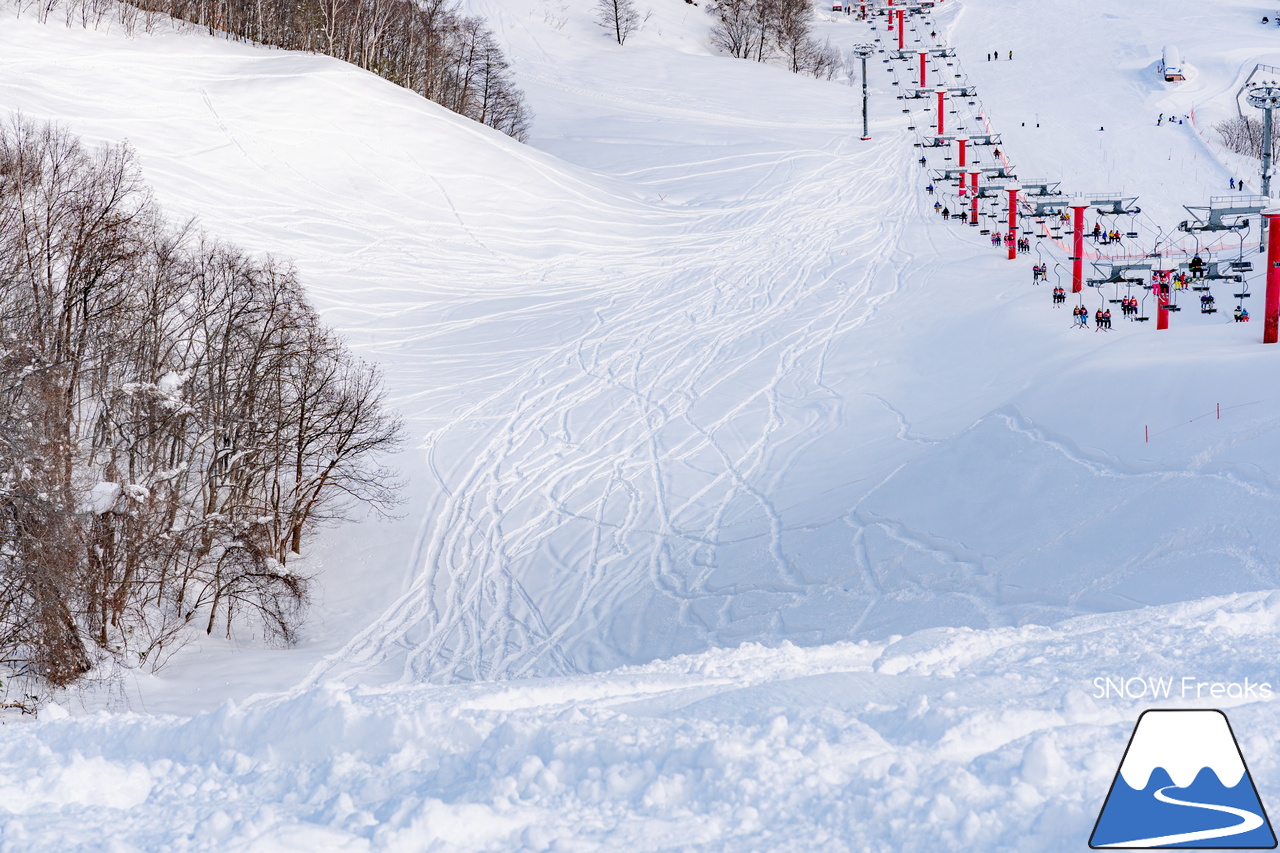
(752, 505)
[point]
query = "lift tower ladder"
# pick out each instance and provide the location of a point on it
(1120, 273)
(912, 53)
(1220, 209)
(1039, 189)
(915, 93)
(951, 173)
(1114, 204)
(942, 141)
(1053, 204)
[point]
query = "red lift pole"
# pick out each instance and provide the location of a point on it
(1271, 317)
(973, 197)
(1012, 236)
(1078, 205)
(891, 11)
(942, 110)
(902, 31)
(924, 56)
(1160, 286)
(962, 142)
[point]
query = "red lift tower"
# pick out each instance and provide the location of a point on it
(1271, 310)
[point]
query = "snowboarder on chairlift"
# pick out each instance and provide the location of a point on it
(1196, 266)
(937, 205)
(929, 189)
(946, 213)
(1106, 319)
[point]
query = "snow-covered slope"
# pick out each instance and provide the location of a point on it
(951, 739)
(697, 367)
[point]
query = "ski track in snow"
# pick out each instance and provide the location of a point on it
(730, 385)
(551, 467)
(602, 463)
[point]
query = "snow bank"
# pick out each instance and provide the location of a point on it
(995, 740)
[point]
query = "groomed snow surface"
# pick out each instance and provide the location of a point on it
(752, 506)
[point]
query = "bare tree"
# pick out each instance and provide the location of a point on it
(736, 28)
(763, 29)
(1244, 135)
(619, 17)
(175, 421)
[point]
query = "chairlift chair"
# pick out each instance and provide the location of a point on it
(1142, 306)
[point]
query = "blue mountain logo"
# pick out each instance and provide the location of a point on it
(1183, 783)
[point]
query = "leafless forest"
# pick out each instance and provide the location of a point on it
(762, 29)
(1244, 135)
(423, 45)
(175, 421)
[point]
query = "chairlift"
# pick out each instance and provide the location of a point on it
(1142, 306)
(1132, 233)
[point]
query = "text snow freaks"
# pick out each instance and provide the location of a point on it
(1186, 687)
